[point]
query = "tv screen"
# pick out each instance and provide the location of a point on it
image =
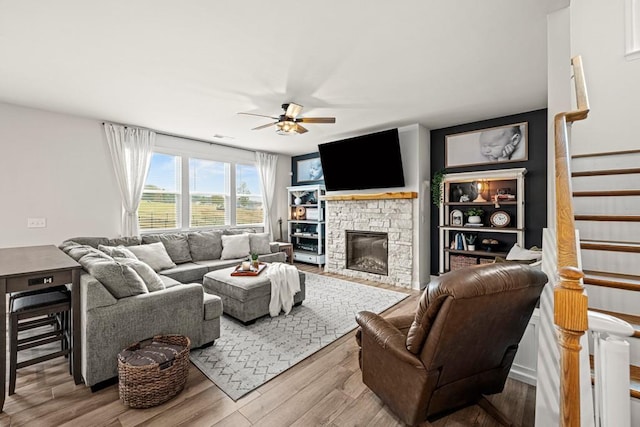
(363, 162)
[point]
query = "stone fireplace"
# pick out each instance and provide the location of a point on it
(367, 251)
(370, 217)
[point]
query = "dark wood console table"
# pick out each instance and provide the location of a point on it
(33, 268)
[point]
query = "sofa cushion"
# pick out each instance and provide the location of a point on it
(117, 251)
(124, 241)
(120, 280)
(168, 281)
(259, 243)
(273, 257)
(186, 273)
(217, 264)
(176, 244)
(212, 306)
(91, 241)
(236, 231)
(235, 246)
(205, 245)
(77, 251)
(153, 254)
(150, 278)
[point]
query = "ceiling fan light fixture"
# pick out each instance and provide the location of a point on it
(286, 127)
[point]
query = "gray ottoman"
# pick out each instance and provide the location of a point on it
(245, 297)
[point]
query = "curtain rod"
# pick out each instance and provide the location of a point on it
(190, 139)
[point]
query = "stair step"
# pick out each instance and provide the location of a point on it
(629, 318)
(608, 193)
(634, 379)
(612, 280)
(606, 172)
(610, 246)
(614, 218)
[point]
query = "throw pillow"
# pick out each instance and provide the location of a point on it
(259, 243)
(518, 253)
(235, 246)
(146, 273)
(176, 244)
(154, 255)
(117, 251)
(120, 280)
(205, 245)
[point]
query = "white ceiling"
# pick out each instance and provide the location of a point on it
(187, 67)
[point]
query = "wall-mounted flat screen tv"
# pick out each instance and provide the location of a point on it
(363, 162)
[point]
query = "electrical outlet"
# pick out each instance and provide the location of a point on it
(36, 222)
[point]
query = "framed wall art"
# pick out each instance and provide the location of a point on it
(307, 169)
(500, 144)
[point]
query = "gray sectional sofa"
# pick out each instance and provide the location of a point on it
(134, 288)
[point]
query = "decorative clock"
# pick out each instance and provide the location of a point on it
(500, 219)
(301, 212)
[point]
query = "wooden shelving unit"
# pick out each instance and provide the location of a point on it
(306, 224)
(463, 186)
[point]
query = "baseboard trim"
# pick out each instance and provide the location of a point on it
(523, 374)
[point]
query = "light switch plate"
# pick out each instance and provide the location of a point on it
(36, 222)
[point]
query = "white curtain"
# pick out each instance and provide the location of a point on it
(267, 170)
(131, 150)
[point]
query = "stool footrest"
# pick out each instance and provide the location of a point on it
(32, 324)
(40, 340)
(42, 358)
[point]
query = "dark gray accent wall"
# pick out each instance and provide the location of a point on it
(535, 179)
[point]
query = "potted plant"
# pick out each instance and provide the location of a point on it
(437, 186)
(471, 241)
(254, 260)
(474, 215)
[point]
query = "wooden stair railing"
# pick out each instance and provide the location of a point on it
(570, 299)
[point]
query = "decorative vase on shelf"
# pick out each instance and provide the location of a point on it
(474, 219)
(297, 201)
(471, 247)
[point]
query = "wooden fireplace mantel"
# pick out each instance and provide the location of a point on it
(373, 196)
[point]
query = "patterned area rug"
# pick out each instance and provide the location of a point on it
(245, 357)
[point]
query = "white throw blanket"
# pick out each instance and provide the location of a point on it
(285, 283)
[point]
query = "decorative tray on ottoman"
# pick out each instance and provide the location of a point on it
(240, 272)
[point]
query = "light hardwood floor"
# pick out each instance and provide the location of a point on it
(324, 389)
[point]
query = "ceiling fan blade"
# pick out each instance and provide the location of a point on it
(293, 110)
(316, 120)
(301, 129)
(259, 115)
(264, 126)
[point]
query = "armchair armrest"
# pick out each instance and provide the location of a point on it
(387, 336)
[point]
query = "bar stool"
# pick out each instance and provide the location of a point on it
(35, 309)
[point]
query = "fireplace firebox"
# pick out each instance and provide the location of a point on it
(367, 251)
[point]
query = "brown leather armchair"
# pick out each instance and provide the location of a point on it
(458, 346)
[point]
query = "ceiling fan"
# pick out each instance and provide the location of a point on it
(288, 123)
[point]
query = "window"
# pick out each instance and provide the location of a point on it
(209, 192)
(215, 194)
(160, 204)
(249, 208)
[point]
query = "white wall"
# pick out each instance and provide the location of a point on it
(613, 82)
(559, 93)
(58, 167)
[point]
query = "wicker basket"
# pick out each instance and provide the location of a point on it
(151, 385)
(456, 262)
